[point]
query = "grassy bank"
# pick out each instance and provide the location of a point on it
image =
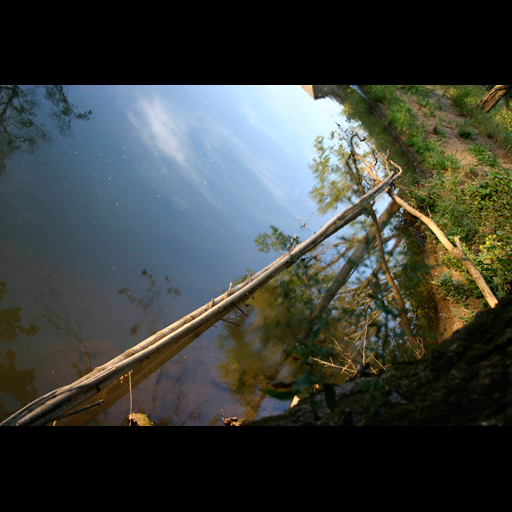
(465, 162)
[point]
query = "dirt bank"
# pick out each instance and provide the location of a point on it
(445, 119)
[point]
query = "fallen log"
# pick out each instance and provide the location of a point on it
(55, 403)
(456, 252)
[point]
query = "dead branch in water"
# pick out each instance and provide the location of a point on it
(48, 407)
(402, 310)
(456, 252)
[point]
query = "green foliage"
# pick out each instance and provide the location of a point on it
(495, 262)
(362, 319)
(453, 289)
(418, 90)
(479, 213)
(471, 210)
(383, 93)
(334, 185)
(275, 240)
(464, 99)
(496, 124)
(436, 158)
(465, 131)
(295, 295)
(504, 119)
(402, 118)
(484, 156)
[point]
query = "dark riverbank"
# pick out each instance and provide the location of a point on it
(463, 163)
(467, 380)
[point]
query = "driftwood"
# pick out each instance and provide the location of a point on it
(56, 403)
(456, 252)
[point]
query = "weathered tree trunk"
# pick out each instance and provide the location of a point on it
(52, 405)
(490, 100)
(454, 251)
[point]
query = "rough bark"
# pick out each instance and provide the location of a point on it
(491, 99)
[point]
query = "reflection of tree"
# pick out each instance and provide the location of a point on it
(304, 327)
(19, 106)
(58, 319)
(10, 321)
(262, 347)
(151, 316)
(252, 346)
(339, 155)
(16, 383)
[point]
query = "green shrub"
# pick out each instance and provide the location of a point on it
(495, 262)
(382, 93)
(463, 99)
(484, 156)
(464, 131)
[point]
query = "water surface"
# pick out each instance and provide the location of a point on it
(133, 217)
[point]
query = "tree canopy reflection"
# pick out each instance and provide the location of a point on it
(151, 314)
(297, 333)
(20, 126)
(14, 383)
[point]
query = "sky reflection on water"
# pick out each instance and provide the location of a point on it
(177, 180)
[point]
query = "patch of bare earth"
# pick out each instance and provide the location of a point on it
(451, 316)
(446, 120)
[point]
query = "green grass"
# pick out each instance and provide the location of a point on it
(478, 208)
(496, 124)
(478, 212)
(484, 156)
(465, 131)
(401, 118)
